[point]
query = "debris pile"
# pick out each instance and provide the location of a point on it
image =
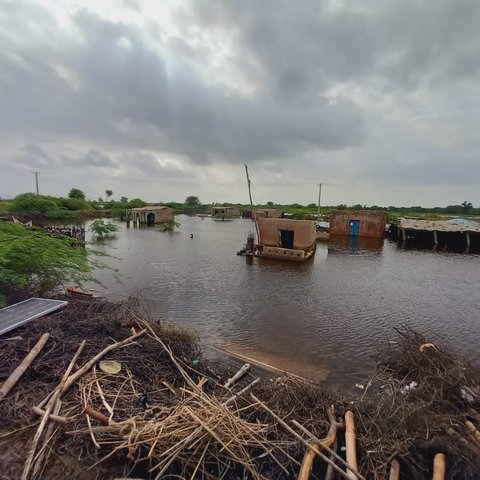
(111, 394)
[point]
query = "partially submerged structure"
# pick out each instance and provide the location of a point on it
(258, 213)
(456, 234)
(358, 223)
(285, 239)
(150, 215)
(221, 211)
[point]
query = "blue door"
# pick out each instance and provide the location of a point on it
(354, 228)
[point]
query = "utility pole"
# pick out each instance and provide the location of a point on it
(248, 183)
(319, 198)
(36, 180)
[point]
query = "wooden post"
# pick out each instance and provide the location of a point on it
(351, 443)
(439, 467)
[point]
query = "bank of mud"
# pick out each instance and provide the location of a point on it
(167, 414)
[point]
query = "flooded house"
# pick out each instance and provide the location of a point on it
(456, 234)
(285, 239)
(358, 223)
(220, 211)
(150, 215)
(266, 213)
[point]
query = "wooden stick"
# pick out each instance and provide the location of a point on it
(330, 473)
(296, 435)
(241, 392)
(55, 418)
(51, 405)
(328, 441)
(103, 419)
(351, 443)
(324, 444)
(439, 467)
(241, 372)
(11, 381)
(395, 470)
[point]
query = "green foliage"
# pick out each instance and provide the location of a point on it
(101, 229)
(32, 260)
(269, 204)
(123, 199)
(74, 204)
(192, 201)
(108, 193)
(168, 226)
(76, 193)
(35, 204)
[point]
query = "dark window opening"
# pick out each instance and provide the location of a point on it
(287, 238)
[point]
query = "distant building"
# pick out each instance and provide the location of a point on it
(358, 223)
(150, 215)
(221, 211)
(266, 213)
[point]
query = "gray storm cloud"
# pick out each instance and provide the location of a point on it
(384, 90)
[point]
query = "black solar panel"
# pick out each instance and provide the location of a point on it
(23, 312)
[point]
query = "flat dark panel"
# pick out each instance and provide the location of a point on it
(23, 312)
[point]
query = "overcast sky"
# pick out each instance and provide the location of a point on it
(378, 100)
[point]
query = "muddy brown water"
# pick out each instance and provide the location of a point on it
(335, 312)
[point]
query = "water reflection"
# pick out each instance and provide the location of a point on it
(343, 244)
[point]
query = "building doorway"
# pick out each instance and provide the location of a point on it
(287, 238)
(354, 228)
(150, 219)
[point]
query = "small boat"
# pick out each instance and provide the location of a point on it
(78, 292)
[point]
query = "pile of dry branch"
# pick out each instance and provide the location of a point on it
(157, 409)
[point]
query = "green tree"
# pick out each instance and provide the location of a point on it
(269, 204)
(312, 205)
(100, 229)
(33, 261)
(124, 199)
(467, 206)
(31, 203)
(192, 201)
(108, 194)
(76, 193)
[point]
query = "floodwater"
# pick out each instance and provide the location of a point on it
(335, 312)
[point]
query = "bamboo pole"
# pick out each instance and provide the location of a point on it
(12, 380)
(395, 470)
(351, 443)
(439, 467)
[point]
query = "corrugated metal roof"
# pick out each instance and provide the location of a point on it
(453, 225)
(23, 312)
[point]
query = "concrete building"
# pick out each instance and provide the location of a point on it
(266, 213)
(150, 215)
(358, 223)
